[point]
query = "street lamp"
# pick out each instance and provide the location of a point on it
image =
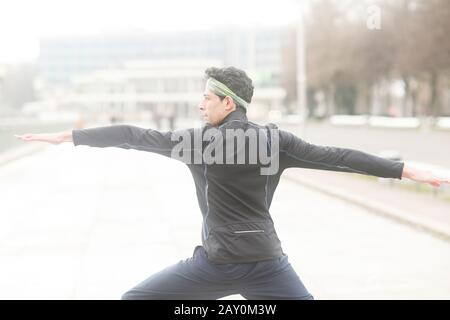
(301, 69)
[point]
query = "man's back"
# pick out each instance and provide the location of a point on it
(233, 193)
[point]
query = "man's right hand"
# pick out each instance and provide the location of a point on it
(53, 138)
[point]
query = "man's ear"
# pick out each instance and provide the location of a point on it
(230, 105)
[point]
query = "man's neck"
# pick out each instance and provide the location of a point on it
(236, 114)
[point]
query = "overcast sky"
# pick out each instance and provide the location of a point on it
(23, 22)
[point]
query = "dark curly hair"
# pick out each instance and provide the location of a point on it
(235, 79)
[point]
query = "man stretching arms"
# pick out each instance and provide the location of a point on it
(236, 166)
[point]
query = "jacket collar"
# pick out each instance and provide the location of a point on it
(236, 115)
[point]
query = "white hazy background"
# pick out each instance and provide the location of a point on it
(23, 22)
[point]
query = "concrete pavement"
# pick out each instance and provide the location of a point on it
(385, 197)
(89, 223)
(428, 210)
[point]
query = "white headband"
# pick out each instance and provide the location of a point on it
(220, 89)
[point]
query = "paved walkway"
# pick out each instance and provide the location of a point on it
(87, 223)
(386, 197)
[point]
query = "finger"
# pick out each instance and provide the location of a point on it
(25, 137)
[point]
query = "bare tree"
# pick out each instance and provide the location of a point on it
(412, 44)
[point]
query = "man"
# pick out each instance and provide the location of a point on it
(236, 166)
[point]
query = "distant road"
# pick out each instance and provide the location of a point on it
(424, 146)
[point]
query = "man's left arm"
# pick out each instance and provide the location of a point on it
(424, 176)
(349, 160)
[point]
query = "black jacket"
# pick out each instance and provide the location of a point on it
(235, 198)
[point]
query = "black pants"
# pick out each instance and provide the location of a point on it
(197, 278)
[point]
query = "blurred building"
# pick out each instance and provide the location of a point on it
(160, 89)
(160, 73)
(258, 51)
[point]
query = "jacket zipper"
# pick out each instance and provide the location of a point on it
(249, 231)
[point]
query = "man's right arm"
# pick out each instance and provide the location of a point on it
(66, 136)
(126, 137)
(53, 138)
(121, 136)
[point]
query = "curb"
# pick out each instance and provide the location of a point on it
(418, 223)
